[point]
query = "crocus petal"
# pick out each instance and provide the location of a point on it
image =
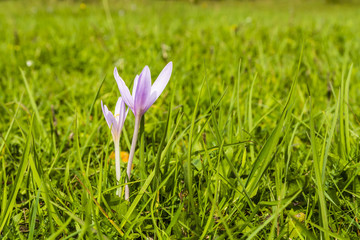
(105, 112)
(124, 90)
(142, 92)
(122, 113)
(136, 80)
(113, 123)
(118, 107)
(125, 115)
(150, 101)
(162, 80)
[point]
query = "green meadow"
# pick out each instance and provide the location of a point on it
(256, 135)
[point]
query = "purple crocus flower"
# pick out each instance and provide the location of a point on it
(116, 123)
(143, 96)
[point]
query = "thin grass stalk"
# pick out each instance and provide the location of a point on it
(318, 178)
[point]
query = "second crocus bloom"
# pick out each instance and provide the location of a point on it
(116, 122)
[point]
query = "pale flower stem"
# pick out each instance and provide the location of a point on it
(117, 166)
(131, 156)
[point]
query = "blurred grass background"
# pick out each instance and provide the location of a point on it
(66, 48)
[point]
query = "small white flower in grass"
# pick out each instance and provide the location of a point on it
(143, 96)
(29, 63)
(116, 123)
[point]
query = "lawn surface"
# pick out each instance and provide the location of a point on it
(256, 136)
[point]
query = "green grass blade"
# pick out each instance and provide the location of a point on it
(189, 173)
(255, 231)
(329, 140)
(318, 177)
(95, 97)
(19, 179)
(33, 104)
(137, 198)
(33, 215)
(263, 159)
(60, 230)
(249, 116)
(346, 110)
